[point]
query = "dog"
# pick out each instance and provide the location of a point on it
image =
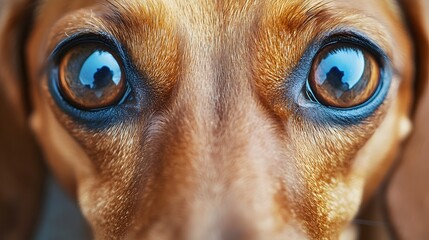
(229, 119)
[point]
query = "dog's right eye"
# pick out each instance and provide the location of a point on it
(91, 77)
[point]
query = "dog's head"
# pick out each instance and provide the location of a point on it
(216, 119)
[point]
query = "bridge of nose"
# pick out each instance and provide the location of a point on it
(218, 173)
(226, 148)
(217, 164)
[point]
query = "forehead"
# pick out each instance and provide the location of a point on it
(214, 14)
(214, 22)
(213, 19)
(239, 9)
(234, 11)
(209, 16)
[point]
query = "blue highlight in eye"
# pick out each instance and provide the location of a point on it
(100, 69)
(345, 65)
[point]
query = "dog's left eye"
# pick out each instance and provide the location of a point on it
(343, 75)
(90, 76)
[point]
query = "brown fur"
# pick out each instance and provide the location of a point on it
(216, 151)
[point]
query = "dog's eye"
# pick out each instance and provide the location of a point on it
(90, 77)
(343, 75)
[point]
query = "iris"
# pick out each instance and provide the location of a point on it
(343, 75)
(90, 76)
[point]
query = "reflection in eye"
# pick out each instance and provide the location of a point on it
(343, 75)
(90, 77)
(100, 69)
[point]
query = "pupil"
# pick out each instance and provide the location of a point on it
(341, 70)
(334, 79)
(99, 71)
(344, 65)
(102, 77)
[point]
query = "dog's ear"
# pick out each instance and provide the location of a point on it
(21, 169)
(408, 190)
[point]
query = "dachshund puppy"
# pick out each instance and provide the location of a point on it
(221, 119)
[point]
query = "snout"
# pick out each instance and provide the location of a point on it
(217, 179)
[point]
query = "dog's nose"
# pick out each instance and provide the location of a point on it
(230, 226)
(215, 185)
(235, 233)
(244, 222)
(241, 218)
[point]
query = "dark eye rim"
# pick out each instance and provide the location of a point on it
(82, 37)
(356, 44)
(137, 99)
(106, 42)
(119, 98)
(296, 81)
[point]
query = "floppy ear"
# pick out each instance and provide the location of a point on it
(408, 190)
(21, 169)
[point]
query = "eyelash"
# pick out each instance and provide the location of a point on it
(78, 38)
(102, 117)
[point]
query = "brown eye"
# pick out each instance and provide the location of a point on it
(344, 75)
(90, 77)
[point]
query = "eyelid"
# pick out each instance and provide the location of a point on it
(91, 58)
(297, 80)
(325, 90)
(58, 49)
(77, 38)
(358, 39)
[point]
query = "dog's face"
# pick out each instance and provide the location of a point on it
(176, 119)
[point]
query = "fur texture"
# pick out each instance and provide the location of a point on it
(214, 143)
